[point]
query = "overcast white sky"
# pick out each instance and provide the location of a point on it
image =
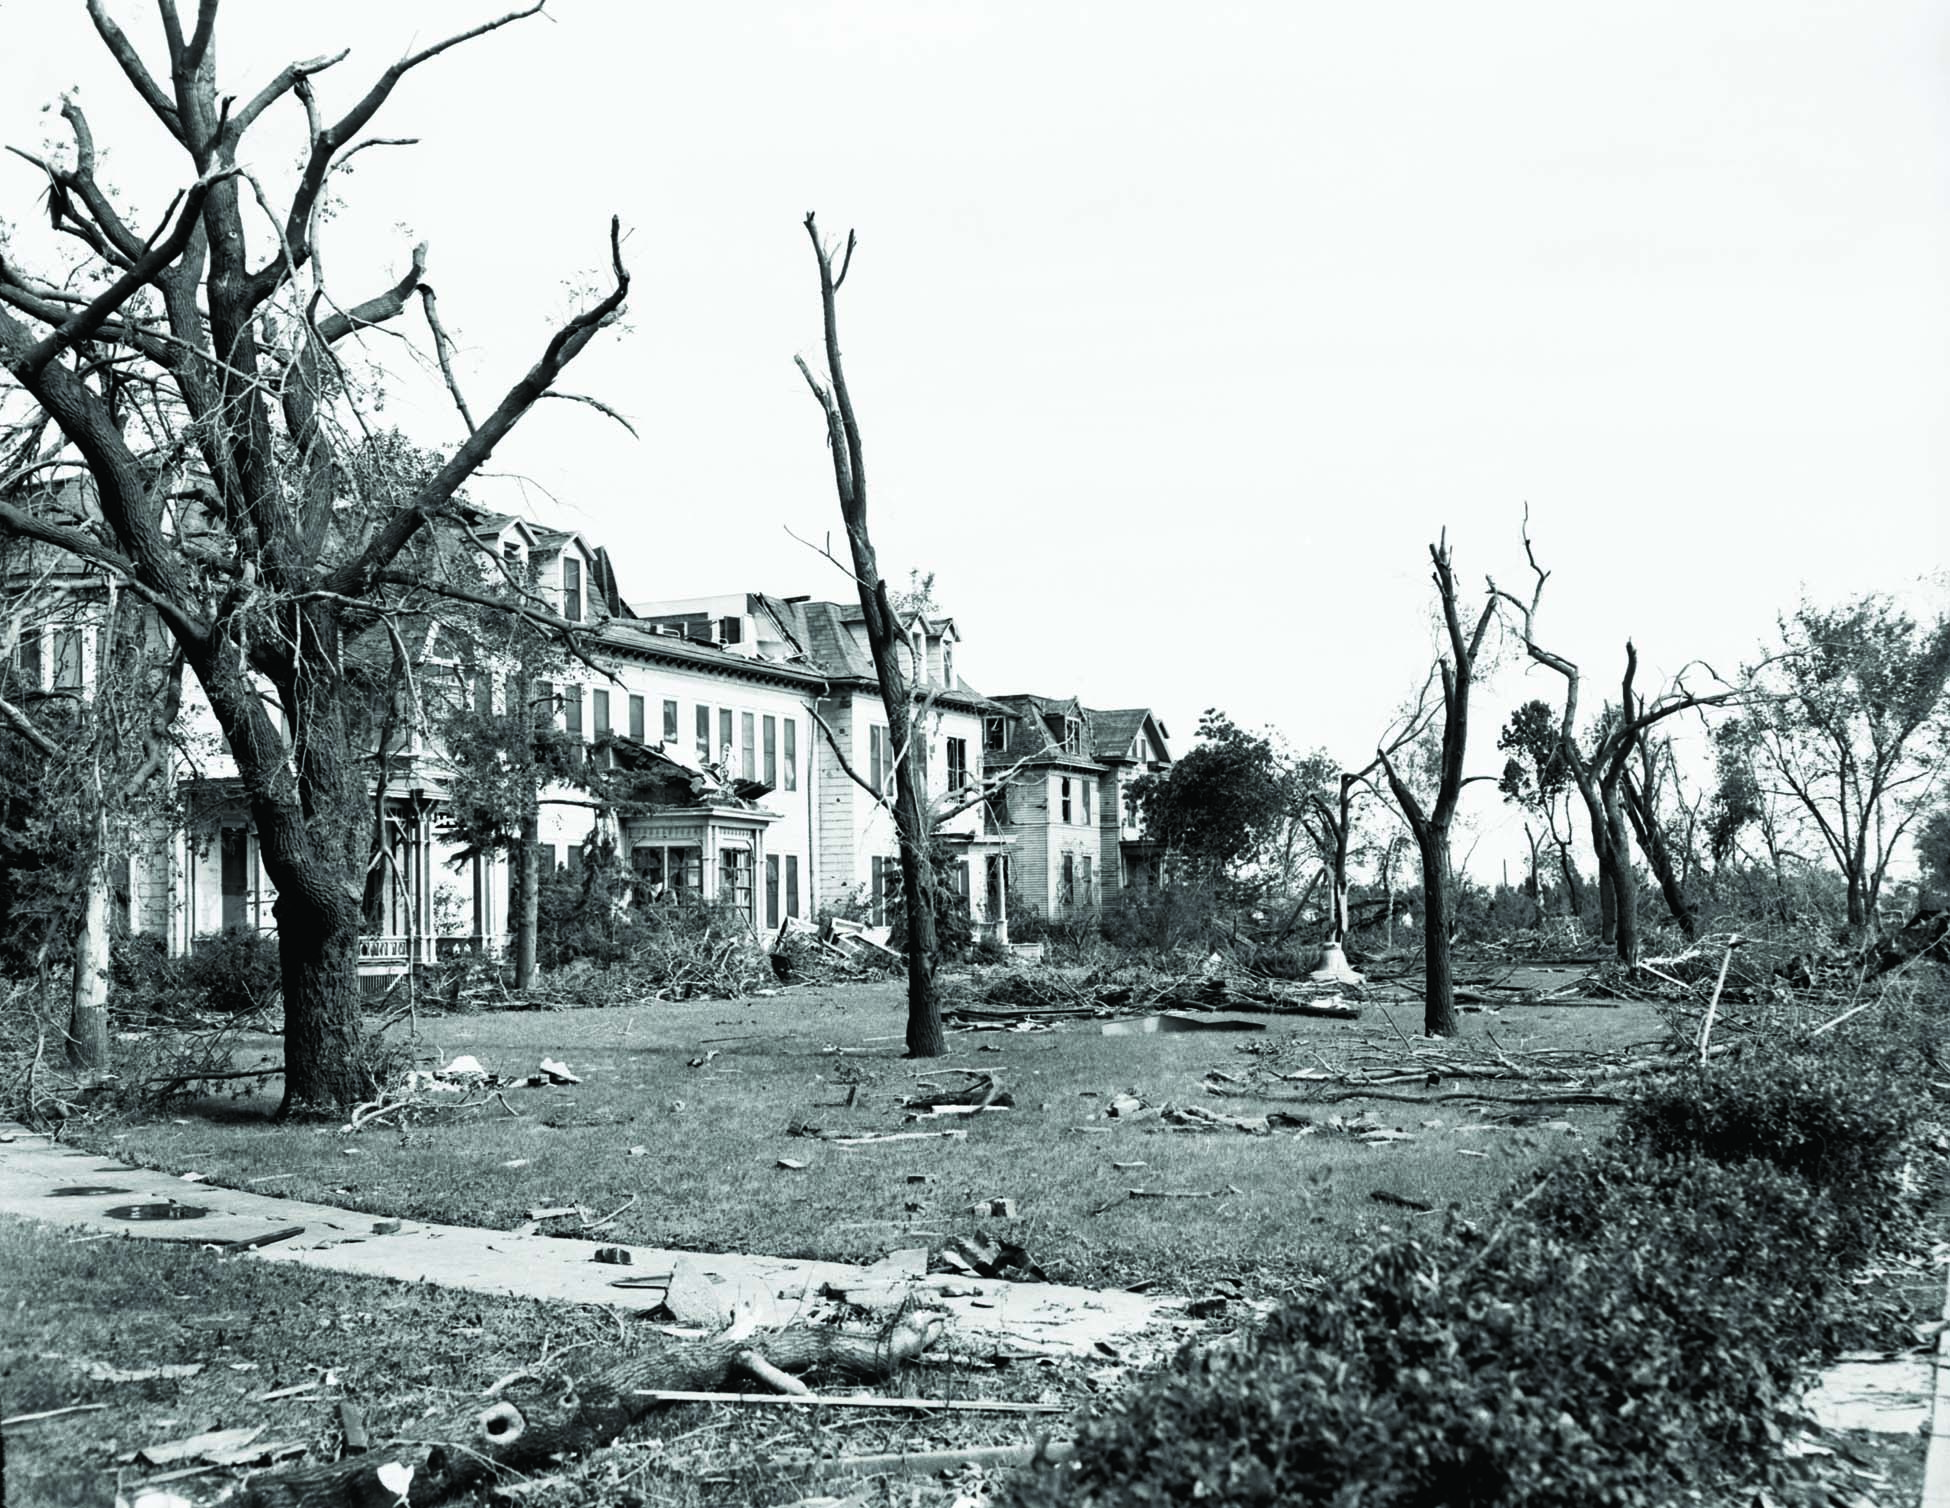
(1177, 332)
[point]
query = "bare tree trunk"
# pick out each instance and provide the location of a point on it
(528, 897)
(1439, 1017)
(925, 1038)
(1658, 854)
(1624, 884)
(87, 1045)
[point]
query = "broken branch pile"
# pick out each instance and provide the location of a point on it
(532, 1421)
(1026, 999)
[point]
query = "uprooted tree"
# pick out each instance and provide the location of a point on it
(190, 367)
(912, 820)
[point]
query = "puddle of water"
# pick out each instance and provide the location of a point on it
(76, 1191)
(157, 1212)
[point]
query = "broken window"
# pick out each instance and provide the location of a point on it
(1066, 798)
(1084, 880)
(724, 737)
(957, 764)
(1066, 894)
(1083, 791)
(995, 732)
(731, 630)
(571, 588)
(792, 757)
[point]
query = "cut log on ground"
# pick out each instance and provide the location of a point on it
(535, 1420)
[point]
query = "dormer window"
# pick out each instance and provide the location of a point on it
(995, 732)
(948, 664)
(572, 588)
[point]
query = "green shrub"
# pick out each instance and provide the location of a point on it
(1837, 1118)
(1631, 1333)
(229, 975)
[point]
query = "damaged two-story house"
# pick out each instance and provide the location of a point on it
(1065, 801)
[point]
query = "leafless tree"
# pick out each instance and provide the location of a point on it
(911, 815)
(1429, 821)
(196, 372)
(1601, 773)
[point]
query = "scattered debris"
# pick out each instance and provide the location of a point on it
(791, 1163)
(616, 1256)
(195, 1447)
(558, 1073)
(1177, 1021)
(1004, 1209)
(74, 1408)
(853, 1401)
(101, 1371)
(352, 1425)
(986, 1257)
(1400, 1201)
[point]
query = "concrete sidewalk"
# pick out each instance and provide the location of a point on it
(44, 1181)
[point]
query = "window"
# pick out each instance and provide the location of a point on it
(792, 757)
(483, 693)
(67, 659)
(28, 657)
(791, 881)
(771, 890)
(724, 737)
(571, 588)
(747, 745)
(771, 749)
(995, 732)
(572, 859)
(544, 704)
(599, 713)
(572, 709)
(947, 664)
(735, 880)
(511, 553)
(1083, 791)
(877, 760)
(886, 889)
(670, 721)
(1066, 894)
(636, 721)
(1083, 877)
(731, 630)
(1066, 801)
(704, 733)
(957, 764)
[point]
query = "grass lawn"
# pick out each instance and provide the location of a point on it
(405, 1355)
(705, 1171)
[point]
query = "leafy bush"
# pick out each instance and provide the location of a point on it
(1630, 1333)
(1837, 1118)
(229, 975)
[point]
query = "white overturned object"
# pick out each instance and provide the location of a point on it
(1334, 967)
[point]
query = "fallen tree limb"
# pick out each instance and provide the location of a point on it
(841, 1400)
(536, 1420)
